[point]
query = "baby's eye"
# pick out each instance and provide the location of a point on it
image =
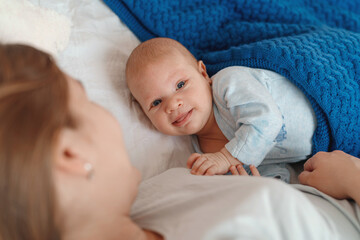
(180, 85)
(156, 102)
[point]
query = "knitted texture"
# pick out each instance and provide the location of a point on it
(315, 44)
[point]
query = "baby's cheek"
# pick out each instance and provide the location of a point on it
(161, 126)
(150, 121)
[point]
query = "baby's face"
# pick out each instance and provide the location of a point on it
(174, 93)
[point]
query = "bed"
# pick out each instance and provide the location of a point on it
(90, 43)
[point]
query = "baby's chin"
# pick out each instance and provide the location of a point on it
(178, 132)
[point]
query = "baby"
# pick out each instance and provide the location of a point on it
(240, 115)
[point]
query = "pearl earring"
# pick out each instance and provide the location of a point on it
(89, 170)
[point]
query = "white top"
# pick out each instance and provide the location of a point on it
(181, 206)
(263, 115)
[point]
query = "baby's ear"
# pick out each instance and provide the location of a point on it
(202, 69)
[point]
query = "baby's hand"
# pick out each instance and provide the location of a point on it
(211, 163)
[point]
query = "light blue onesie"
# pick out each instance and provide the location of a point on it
(265, 117)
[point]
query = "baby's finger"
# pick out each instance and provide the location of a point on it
(211, 171)
(241, 170)
(197, 164)
(233, 170)
(204, 166)
(254, 170)
(192, 159)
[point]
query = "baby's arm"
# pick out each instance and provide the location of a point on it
(246, 107)
(211, 163)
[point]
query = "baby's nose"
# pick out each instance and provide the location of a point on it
(173, 105)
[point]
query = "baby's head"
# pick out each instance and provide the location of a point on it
(171, 86)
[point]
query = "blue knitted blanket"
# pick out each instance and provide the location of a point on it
(314, 43)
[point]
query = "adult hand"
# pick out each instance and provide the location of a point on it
(334, 173)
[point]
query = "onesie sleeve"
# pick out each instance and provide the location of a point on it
(248, 107)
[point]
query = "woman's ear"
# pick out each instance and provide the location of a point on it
(202, 69)
(72, 154)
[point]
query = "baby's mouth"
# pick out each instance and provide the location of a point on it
(182, 118)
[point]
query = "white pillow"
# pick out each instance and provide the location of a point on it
(22, 22)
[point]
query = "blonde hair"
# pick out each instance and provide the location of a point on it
(33, 108)
(153, 49)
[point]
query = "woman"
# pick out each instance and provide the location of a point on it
(51, 141)
(65, 174)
